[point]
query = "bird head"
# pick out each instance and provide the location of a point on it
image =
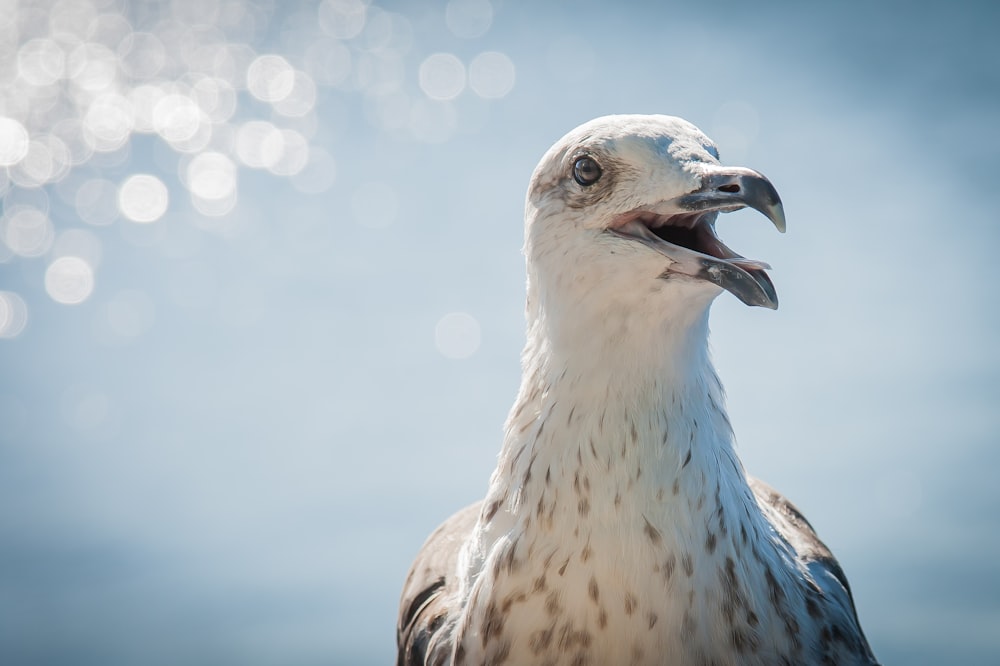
(624, 208)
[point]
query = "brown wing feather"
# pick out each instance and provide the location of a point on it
(424, 609)
(817, 557)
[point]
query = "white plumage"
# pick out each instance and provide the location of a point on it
(619, 526)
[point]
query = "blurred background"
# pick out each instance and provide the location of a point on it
(261, 299)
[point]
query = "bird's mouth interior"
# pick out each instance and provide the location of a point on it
(684, 230)
(693, 231)
(688, 239)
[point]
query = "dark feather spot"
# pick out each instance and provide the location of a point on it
(812, 607)
(652, 533)
(688, 624)
(493, 622)
(669, 565)
(553, 606)
(570, 638)
(774, 591)
(498, 654)
(539, 640)
(593, 591)
(743, 641)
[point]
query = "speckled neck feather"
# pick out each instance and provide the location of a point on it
(599, 449)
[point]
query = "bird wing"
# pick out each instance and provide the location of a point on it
(844, 630)
(430, 588)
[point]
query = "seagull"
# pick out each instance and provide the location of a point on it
(619, 526)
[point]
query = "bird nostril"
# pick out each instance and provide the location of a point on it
(732, 189)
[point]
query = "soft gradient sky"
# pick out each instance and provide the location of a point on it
(235, 397)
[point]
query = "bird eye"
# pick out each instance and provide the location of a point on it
(586, 170)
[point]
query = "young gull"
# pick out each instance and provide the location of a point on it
(619, 526)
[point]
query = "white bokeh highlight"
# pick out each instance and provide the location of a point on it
(270, 78)
(13, 314)
(211, 176)
(457, 335)
(491, 75)
(27, 232)
(442, 76)
(69, 280)
(143, 198)
(343, 19)
(13, 141)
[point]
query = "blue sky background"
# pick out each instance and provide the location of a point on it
(230, 449)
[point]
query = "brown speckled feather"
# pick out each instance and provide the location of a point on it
(430, 585)
(819, 560)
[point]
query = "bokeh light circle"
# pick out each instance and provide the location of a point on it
(300, 100)
(343, 19)
(442, 76)
(270, 78)
(13, 141)
(142, 55)
(211, 175)
(108, 122)
(27, 231)
(491, 75)
(69, 280)
(259, 144)
(294, 154)
(457, 335)
(13, 314)
(143, 198)
(41, 62)
(35, 168)
(177, 117)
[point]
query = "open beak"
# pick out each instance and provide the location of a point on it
(683, 230)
